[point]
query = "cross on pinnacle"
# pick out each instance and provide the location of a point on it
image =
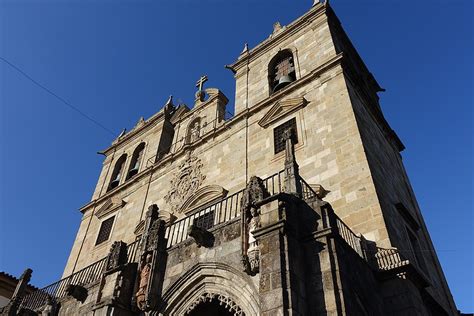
(201, 82)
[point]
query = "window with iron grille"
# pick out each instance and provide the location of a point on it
(278, 142)
(205, 221)
(105, 229)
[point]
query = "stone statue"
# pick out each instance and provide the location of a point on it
(254, 192)
(194, 132)
(144, 280)
(152, 263)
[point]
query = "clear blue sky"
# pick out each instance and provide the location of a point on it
(119, 60)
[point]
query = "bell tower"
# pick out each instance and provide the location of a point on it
(309, 75)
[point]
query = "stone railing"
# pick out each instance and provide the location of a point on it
(380, 259)
(87, 275)
(388, 259)
(225, 209)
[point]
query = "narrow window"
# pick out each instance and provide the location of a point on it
(281, 71)
(116, 174)
(278, 142)
(136, 161)
(105, 229)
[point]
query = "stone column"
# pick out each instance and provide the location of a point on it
(282, 270)
(292, 174)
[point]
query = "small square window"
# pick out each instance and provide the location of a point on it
(105, 229)
(278, 142)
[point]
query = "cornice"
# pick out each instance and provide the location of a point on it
(135, 132)
(315, 12)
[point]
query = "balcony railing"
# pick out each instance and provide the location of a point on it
(87, 275)
(208, 217)
(388, 259)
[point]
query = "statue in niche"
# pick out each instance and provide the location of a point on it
(253, 193)
(143, 282)
(194, 131)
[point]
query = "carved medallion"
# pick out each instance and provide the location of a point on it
(185, 182)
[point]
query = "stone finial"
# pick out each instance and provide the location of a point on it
(276, 27)
(117, 256)
(246, 49)
(122, 133)
(169, 102)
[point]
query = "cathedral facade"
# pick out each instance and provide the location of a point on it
(298, 204)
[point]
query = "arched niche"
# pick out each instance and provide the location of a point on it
(201, 197)
(211, 281)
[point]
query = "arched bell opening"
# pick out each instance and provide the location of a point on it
(136, 161)
(117, 172)
(281, 71)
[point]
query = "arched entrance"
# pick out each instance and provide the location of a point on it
(211, 288)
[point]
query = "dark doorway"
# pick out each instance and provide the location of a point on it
(212, 308)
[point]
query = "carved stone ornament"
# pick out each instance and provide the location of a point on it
(253, 193)
(110, 206)
(224, 301)
(77, 291)
(201, 236)
(282, 109)
(185, 182)
(117, 256)
(152, 251)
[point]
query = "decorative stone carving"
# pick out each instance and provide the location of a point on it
(225, 301)
(254, 192)
(321, 192)
(281, 109)
(152, 261)
(77, 291)
(203, 196)
(185, 182)
(117, 256)
(110, 206)
(201, 236)
(144, 279)
(194, 131)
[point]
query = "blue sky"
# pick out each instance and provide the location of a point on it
(119, 60)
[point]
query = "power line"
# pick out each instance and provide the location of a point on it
(57, 96)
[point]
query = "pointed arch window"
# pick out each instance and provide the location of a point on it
(117, 173)
(281, 71)
(136, 161)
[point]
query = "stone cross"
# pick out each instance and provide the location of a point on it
(201, 82)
